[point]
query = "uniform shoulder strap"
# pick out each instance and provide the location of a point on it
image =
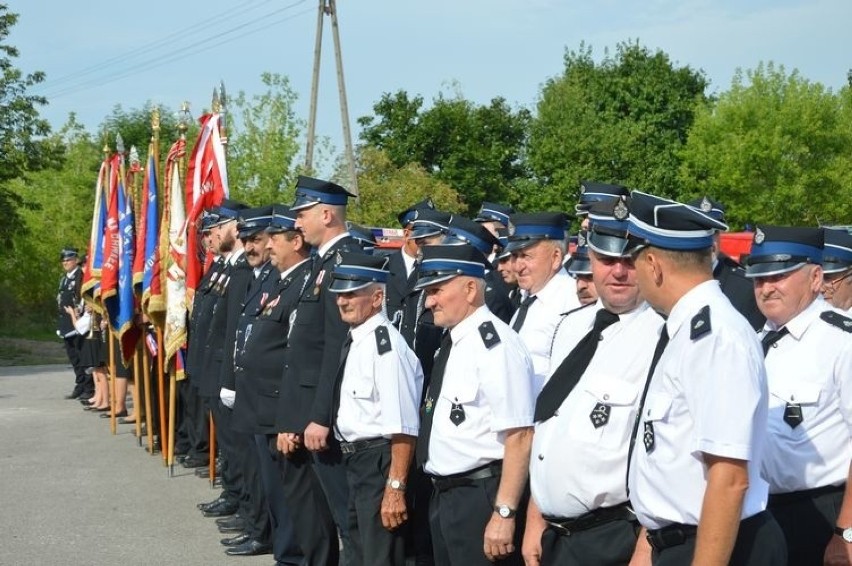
(700, 324)
(383, 343)
(489, 334)
(836, 319)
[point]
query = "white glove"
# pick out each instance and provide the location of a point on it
(227, 396)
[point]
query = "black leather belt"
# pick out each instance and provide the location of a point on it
(673, 535)
(796, 496)
(443, 483)
(358, 445)
(601, 516)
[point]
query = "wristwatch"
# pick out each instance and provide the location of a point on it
(845, 533)
(395, 484)
(504, 511)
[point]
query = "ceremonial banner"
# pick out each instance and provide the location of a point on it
(172, 256)
(206, 186)
(110, 246)
(95, 253)
(147, 247)
(119, 299)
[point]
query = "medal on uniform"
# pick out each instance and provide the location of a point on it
(457, 415)
(793, 414)
(648, 437)
(319, 282)
(600, 415)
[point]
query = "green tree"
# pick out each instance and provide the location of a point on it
(386, 189)
(622, 120)
(775, 149)
(60, 213)
(23, 147)
(476, 149)
(134, 125)
(264, 143)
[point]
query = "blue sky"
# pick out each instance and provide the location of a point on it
(481, 48)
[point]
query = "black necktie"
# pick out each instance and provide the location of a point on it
(338, 380)
(572, 368)
(771, 338)
(662, 342)
(522, 313)
(427, 412)
(792, 411)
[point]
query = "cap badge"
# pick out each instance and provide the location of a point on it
(582, 189)
(620, 211)
(581, 240)
(706, 205)
(759, 236)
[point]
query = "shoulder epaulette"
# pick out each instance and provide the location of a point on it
(383, 343)
(700, 324)
(489, 334)
(836, 319)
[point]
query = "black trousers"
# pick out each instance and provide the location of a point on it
(458, 517)
(284, 546)
(609, 544)
(760, 542)
(195, 421)
(84, 383)
(232, 473)
(329, 468)
(371, 543)
(253, 506)
(807, 521)
(314, 526)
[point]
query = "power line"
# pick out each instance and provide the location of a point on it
(178, 52)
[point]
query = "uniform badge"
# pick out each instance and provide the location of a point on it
(600, 415)
(836, 319)
(489, 334)
(383, 343)
(700, 324)
(581, 239)
(759, 236)
(582, 189)
(338, 259)
(457, 415)
(648, 437)
(706, 205)
(429, 402)
(291, 322)
(620, 212)
(318, 282)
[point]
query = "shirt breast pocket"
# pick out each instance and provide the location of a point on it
(655, 415)
(608, 411)
(463, 393)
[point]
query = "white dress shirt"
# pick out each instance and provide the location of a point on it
(494, 387)
(812, 367)
(558, 296)
(574, 467)
(707, 395)
(380, 393)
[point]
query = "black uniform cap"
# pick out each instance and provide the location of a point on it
(68, 253)
(310, 191)
(494, 212)
(253, 220)
(441, 263)
(357, 270)
(406, 216)
(779, 249)
(427, 222)
(837, 255)
(530, 228)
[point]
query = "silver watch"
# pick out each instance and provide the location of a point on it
(395, 484)
(845, 533)
(504, 511)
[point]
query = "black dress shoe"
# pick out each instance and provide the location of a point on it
(236, 540)
(221, 510)
(229, 520)
(209, 504)
(74, 395)
(250, 548)
(191, 462)
(234, 524)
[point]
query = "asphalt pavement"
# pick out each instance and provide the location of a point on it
(71, 493)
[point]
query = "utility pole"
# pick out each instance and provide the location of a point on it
(329, 7)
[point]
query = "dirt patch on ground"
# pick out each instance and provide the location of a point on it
(22, 352)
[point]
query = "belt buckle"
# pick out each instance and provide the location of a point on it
(347, 448)
(561, 529)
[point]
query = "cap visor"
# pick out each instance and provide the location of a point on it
(580, 267)
(830, 267)
(771, 268)
(433, 280)
(611, 246)
(517, 245)
(302, 204)
(347, 285)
